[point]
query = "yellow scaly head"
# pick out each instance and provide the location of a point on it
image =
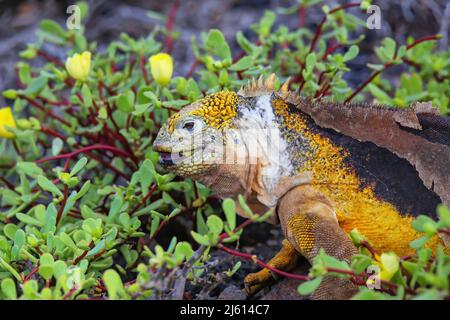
(187, 141)
(192, 140)
(218, 109)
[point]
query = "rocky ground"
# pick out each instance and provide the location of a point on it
(400, 19)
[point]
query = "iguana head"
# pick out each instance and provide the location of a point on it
(226, 140)
(191, 142)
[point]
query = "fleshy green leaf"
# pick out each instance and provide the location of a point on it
(47, 185)
(308, 287)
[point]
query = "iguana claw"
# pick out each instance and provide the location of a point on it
(255, 282)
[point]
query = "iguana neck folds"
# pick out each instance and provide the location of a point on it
(268, 170)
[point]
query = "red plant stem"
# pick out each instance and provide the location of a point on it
(358, 279)
(301, 16)
(324, 19)
(302, 84)
(407, 257)
(254, 258)
(224, 235)
(349, 272)
(158, 230)
(98, 255)
(446, 231)
(143, 69)
(78, 212)
(242, 54)
(196, 194)
(50, 58)
(367, 245)
(131, 63)
(392, 286)
(332, 48)
(144, 200)
(263, 264)
(81, 257)
(70, 293)
(101, 287)
(192, 68)
(120, 137)
(100, 88)
(170, 108)
(388, 65)
(369, 80)
(28, 277)
(86, 151)
(129, 121)
(324, 90)
(428, 38)
(114, 135)
(168, 41)
(319, 82)
(63, 204)
(8, 184)
(83, 150)
(238, 57)
(69, 82)
(48, 112)
(92, 115)
(164, 223)
(52, 132)
(108, 165)
(56, 103)
(130, 282)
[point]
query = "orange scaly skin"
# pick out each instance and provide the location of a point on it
(355, 207)
(318, 194)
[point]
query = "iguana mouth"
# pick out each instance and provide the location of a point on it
(165, 155)
(165, 158)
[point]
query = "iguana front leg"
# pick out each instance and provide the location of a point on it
(285, 260)
(309, 223)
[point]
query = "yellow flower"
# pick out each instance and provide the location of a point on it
(78, 65)
(389, 264)
(161, 66)
(6, 120)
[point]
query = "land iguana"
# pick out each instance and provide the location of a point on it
(325, 168)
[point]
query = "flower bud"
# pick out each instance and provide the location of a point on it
(6, 120)
(389, 264)
(79, 65)
(161, 66)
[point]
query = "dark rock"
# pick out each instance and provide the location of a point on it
(232, 293)
(286, 289)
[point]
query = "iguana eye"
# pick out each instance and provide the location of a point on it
(189, 126)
